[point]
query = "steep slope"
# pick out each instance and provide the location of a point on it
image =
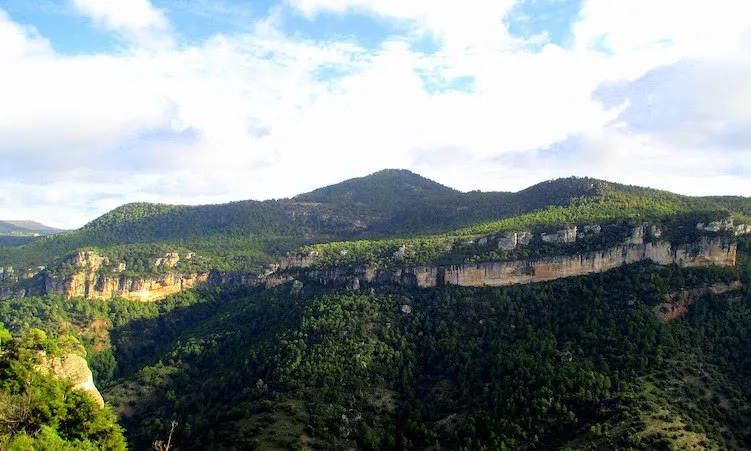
(567, 363)
(248, 236)
(472, 362)
(48, 399)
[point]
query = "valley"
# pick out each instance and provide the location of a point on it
(392, 312)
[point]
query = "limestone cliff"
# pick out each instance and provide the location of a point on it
(89, 275)
(708, 251)
(92, 286)
(88, 279)
(74, 368)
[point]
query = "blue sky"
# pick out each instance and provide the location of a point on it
(103, 102)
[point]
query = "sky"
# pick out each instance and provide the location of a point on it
(104, 102)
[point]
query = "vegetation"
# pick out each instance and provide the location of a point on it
(39, 412)
(25, 229)
(577, 363)
(570, 363)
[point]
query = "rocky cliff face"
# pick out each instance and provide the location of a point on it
(88, 281)
(74, 368)
(145, 289)
(726, 225)
(709, 251)
(93, 276)
(676, 304)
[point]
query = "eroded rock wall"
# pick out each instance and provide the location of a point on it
(709, 251)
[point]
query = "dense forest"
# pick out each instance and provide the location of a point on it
(578, 363)
(391, 204)
(572, 363)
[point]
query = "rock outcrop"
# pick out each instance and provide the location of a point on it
(304, 260)
(146, 289)
(89, 281)
(92, 276)
(709, 251)
(563, 236)
(512, 240)
(724, 225)
(74, 368)
(676, 304)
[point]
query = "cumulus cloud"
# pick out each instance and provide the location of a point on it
(136, 20)
(261, 114)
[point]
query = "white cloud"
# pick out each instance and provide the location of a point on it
(137, 20)
(20, 41)
(692, 28)
(252, 116)
(458, 24)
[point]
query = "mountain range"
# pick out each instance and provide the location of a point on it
(392, 312)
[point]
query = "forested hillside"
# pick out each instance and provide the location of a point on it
(25, 228)
(639, 357)
(38, 411)
(386, 205)
(574, 363)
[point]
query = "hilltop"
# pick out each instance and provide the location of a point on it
(247, 235)
(392, 312)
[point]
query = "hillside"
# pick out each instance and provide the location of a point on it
(391, 312)
(25, 228)
(571, 364)
(250, 234)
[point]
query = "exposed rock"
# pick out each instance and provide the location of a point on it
(709, 251)
(400, 253)
(510, 241)
(91, 285)
(742, 229)
(406, 309)
(676, 304)
(563, 236)
(296, 288)
(300, 260)
(87, 259)
(720, 225)
(8, 274)
(482, 241)
(593, 228)
(588, 230)
(168, 260)
(523, 238)
(637, 236)
(12, 292)
(74, 368)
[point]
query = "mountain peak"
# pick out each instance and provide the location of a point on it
(397, 185)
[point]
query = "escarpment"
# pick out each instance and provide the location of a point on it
(89, 275)
(709, 250)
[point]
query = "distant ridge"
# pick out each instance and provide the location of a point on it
(25, 228)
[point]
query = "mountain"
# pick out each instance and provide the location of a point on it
(384, 188)
(392, 312)
(387, 204)
(25, 228)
